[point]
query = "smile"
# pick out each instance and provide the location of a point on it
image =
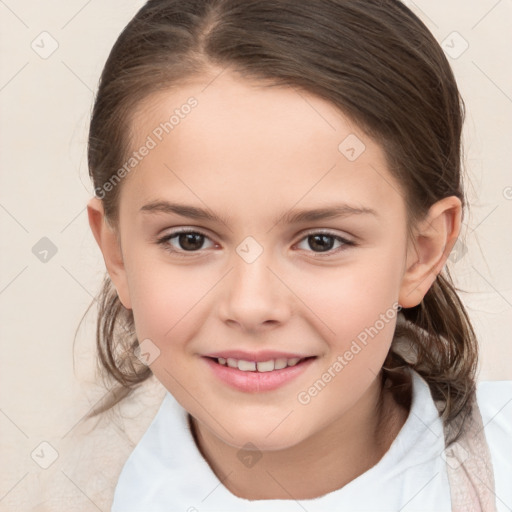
(257, 376)
(260, 366)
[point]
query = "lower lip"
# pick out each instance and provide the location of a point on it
(255, 382)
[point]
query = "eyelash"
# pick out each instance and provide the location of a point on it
(165, 239)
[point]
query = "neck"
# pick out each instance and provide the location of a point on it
(336, 455)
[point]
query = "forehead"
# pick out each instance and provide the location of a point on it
(232, 144)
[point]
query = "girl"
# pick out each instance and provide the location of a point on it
(278, 188)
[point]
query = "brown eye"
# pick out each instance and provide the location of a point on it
(324, 243)
(321, 243)
(190, 241)
(183, 241)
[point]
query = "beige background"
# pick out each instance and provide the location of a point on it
(45, 103)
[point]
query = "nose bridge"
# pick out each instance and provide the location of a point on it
(255, 294)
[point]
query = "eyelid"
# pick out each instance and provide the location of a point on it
(320, 231)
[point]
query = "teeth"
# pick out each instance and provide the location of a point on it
(279, 364)
(265, 366)
(232, 362)
(246, 366)
(260, 366)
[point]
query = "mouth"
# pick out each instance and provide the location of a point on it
(250, 376)
(260, 366)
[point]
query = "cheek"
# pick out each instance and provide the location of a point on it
(351, 297)
(164, 297)
(157, 292)
(360, 306)
(358, 303)
(168, 310)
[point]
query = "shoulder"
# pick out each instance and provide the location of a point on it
(494, 400)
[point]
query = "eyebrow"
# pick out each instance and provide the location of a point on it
(291, 217)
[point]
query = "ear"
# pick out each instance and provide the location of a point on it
(433, 240)
(109, 243)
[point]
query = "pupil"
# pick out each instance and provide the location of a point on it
(187, 241)
(322, 242)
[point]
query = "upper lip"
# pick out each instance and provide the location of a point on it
(264, 355)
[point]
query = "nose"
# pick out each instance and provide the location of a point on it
(254, 296)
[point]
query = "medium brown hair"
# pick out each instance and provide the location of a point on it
(376, 62)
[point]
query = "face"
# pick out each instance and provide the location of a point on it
(255, 282)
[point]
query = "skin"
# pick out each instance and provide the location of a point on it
(251, 154)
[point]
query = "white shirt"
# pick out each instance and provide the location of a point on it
(166, 471)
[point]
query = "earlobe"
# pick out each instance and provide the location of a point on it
(107, 239)
(427, 253)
